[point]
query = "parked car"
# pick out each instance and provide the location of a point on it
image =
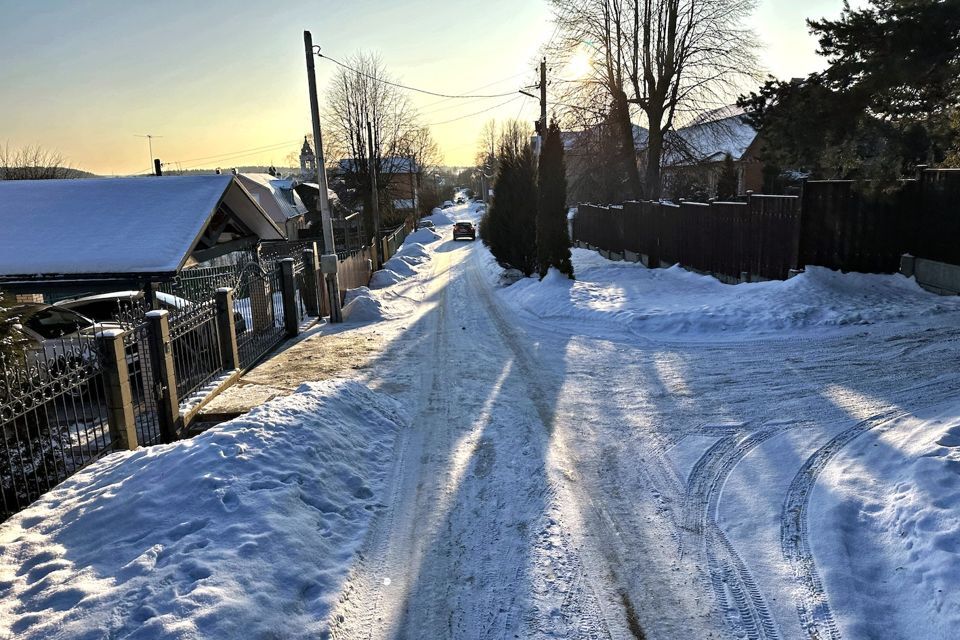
(59, 336)
(425, 224)
(446, 205)
(464, 229)
(106, 307)
(461, 200)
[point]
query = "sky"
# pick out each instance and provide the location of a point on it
(223, 83)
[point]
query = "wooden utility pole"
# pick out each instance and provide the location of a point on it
(374, 196)
(543, 99)
(328, 261)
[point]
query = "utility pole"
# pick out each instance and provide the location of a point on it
(543, 99)
(328, 261)
(374, 196)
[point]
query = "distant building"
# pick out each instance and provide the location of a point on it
(693, 155)
(308, 160)
(692, 159)
(400, 175)
(279, 199)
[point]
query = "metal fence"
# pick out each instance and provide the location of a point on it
(64, 404)
(53, 415)
(259, 299)
(196, 347)
(143, 389)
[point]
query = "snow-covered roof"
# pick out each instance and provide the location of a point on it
(388, 165)
(709, 138)
(115, 225)
(275, 195)
(572, 138)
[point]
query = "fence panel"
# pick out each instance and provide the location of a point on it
(938, 217)
(259, 300)
(53, 414)
(854, 227)
(196, 347)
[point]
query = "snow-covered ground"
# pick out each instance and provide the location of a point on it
(636, 449)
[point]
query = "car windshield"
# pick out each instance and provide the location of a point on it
(53, 322)
(102, 309)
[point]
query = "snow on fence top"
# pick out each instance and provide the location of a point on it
(114, 225)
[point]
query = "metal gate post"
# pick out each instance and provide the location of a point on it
(291, 322)
(116, 384)
(164, 374)
(311, 292)
(227, 329)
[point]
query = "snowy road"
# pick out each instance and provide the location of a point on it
(574, 482)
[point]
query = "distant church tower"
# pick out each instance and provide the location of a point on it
(308, 161)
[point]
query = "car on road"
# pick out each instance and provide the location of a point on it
(425, 224)
(464, 229)
(461, 200)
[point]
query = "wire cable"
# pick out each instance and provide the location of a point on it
(476, 113)
(407, 87)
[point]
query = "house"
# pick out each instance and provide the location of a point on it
(693, 155)
(278, 197)
(400, 177)
(72, 237)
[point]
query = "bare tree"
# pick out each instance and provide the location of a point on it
(671, 59)
(33, 163)
(357, 95)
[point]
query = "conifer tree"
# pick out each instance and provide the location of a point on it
(727, 181)
(552, 238)
(509, 227)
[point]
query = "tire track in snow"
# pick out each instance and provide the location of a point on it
(744, 607)
(813, 607)
(581, 603)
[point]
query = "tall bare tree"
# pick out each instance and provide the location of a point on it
(671, 59)
(33, 163)
(357, 95)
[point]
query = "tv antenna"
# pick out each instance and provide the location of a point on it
(149, 137)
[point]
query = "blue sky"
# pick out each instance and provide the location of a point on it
(212, 77)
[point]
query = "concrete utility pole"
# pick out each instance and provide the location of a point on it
(374, 196)
(328, 261)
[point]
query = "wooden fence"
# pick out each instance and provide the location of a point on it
(836, 224)
(758, 237)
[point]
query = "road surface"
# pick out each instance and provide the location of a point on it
(559, 483)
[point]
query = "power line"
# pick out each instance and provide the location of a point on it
(476, 113)
(268, 147)
(407, 87)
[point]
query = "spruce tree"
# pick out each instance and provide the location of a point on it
(552, 237)
(727, 181)
(509, 227)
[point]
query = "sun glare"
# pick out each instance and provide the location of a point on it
(580, 65)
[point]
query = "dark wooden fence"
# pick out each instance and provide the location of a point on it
(836, 224)
(758, 237)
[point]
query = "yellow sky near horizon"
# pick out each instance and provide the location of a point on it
(223, 83)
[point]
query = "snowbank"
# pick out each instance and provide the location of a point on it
(422, 236)
(410, 254)
(886, 525)
(361, 306)
(245, 531)
(675, 302)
